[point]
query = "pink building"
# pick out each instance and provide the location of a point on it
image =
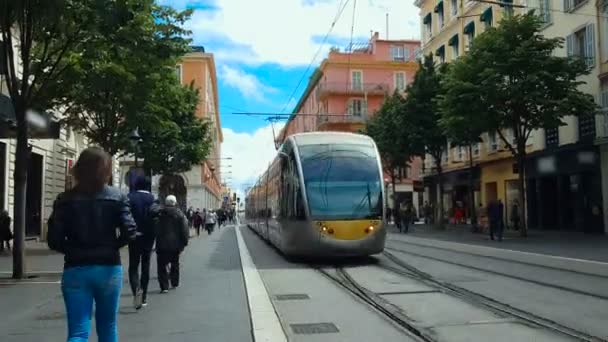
(350, 86)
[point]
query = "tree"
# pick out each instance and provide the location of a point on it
(389, 130)
(117, 72)
(518, 85)
(173, 138)
(423, 114)
(461, 126)
(41, 38)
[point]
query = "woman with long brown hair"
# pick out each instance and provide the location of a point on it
(89, 225)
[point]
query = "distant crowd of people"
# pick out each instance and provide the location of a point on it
(93, 221)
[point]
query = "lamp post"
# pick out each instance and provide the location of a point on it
(136, 140)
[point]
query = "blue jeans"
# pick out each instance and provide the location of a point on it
(81, 286)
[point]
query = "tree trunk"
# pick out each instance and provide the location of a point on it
(521, 157)
(440, 223)
(472, 190)
(394, 191)
(20, 188)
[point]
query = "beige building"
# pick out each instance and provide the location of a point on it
(563, 168)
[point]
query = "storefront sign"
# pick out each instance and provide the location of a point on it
(586, 157)
(546, 164)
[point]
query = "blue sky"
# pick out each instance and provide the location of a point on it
(262, 49)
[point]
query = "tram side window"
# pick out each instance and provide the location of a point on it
(291, 205)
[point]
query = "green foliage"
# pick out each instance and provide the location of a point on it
(388, 129)
(459, 108)
(423, 112)
(132, 46)
(174, 139)
(510, 79)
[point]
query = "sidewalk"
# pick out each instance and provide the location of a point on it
(556, 243)
(210, 305)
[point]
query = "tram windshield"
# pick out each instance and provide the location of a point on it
(342, 181)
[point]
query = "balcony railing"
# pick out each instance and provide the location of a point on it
(325, 120)
(349, 88)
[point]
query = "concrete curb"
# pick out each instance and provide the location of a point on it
(590, 267)
(264, 320)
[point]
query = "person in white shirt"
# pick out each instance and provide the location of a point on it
(210, 220)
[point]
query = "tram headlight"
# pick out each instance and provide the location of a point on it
(371, 228)
(324, 229)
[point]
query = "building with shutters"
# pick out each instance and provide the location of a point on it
(349, 86)
(563, 184)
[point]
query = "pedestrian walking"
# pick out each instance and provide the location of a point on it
(190, 217)
(397, 218)
(89, 224)
(140, 250)
(198, 221)
(210, 221)
(515, 216)
(495, 215)
(406, 217)
(172, 234)
(5, 231)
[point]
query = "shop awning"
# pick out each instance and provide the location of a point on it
(486, 16)
(469, 28)
(440, 51)
(453, 41)
(427, 19)
(439, 7)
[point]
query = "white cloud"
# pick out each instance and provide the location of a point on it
(282, 31)
(251, 154)
(247, 84)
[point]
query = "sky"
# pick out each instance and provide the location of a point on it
(263, 49)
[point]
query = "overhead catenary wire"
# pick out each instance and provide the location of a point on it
(314, 58)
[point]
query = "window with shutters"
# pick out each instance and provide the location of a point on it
(357, 107)
(604, 106)
(400, 81)
(581, 44)
(551, 137)
(586, 128)
(476, 149)
(397, 53)
(179, 72)
(572, 5)
(458, 153)
(492, 142)
(357, 80)
(454, 7)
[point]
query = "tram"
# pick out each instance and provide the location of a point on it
(323, 195)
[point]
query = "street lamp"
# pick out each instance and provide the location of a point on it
(136, 140)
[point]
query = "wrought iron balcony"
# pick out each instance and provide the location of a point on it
(324, 120)
(325, 89)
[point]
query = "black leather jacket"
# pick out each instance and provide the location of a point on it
(84, 227)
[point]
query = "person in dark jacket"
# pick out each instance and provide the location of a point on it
(197, 221)
(495, 216)
(89, 224)
(172, 234)
(140, 250)
(5, 230)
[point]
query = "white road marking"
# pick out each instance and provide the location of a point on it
(264, 320)
(27, 282)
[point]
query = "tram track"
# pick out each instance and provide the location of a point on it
(503, 274)
(404, 269)
(341, 278)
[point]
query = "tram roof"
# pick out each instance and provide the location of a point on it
(316, 138)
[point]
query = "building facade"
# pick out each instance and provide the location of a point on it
(200, 187)
(563, 169)
(53, 153)
(203, 182)
(350, 86)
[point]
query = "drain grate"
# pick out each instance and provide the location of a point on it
(292, 296)
(314, 328)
